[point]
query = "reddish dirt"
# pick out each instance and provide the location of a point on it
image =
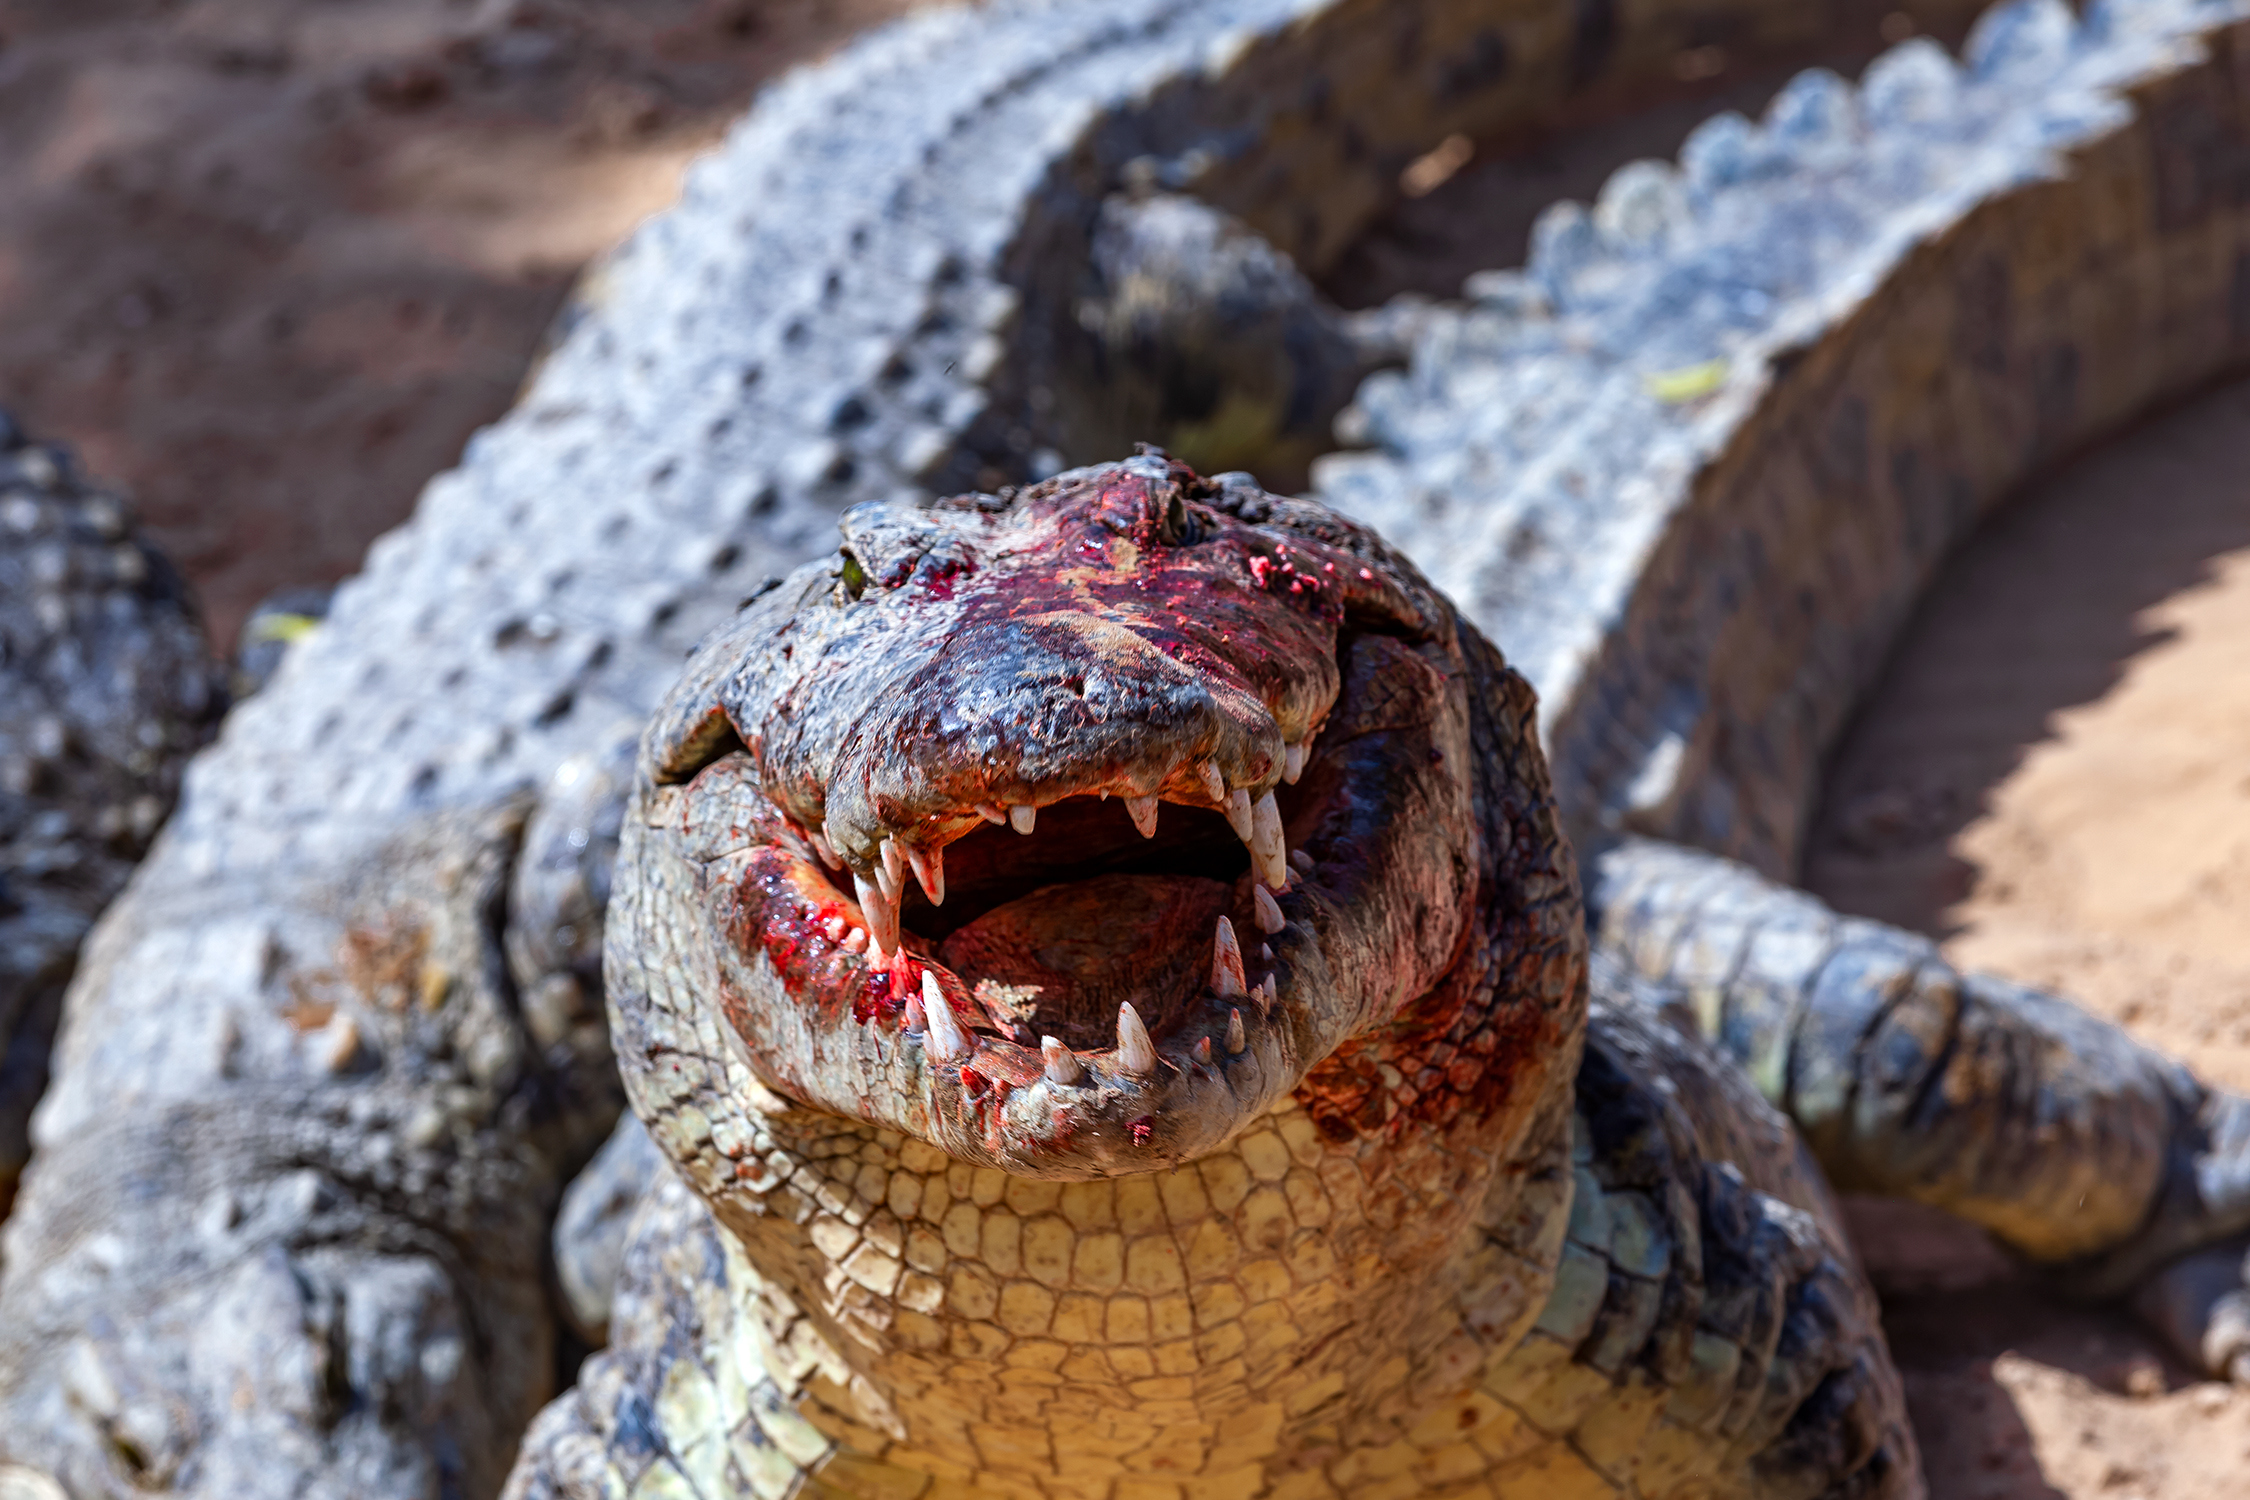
(2054, 779)
(269, 264)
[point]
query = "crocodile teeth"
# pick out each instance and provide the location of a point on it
(991, 812)
(1269, 910)
(1226, 962)
(886, 882)
(1022, 816)
(826, 850)
(1202, 1050)
(917, 1018)
(882, 914)
(1268, 992)
(894, 862)
(1136, 1054)
(1143, 810)
(1300, 861)
(1062, 1063)
(1237, 1038)
(948, 1042)
(929, 869)
(1292, 763)
(835, 927)
(1214, 780)
(1264, 839)
(1239, 813)
(855, 940)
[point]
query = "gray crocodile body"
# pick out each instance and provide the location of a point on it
(106, 688)
(327, 1063)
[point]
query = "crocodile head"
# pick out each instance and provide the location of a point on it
(1066, 831)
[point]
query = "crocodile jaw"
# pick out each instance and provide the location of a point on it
(1079, 999)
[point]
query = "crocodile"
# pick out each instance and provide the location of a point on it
(328, 1061)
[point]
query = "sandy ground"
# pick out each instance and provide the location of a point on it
(269, 264)
(2054, 779)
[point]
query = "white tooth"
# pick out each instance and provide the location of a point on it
(929, 869)
(856, 939)
(1062, 1063)
(1268, 992)
(1269, 910)
(1214, 780)
(826, 851)
(948, 1042)
(1202, 1050)
(835, 927)
(917, 1018)
(1226, 961)
(882, 915)
(886, 882)
(1022, 816)
(1237, 1038)
(1265, 953)
(1143, 810)
(1300, 861)
(1239, 813)
(1292, 763)
(1266, 853)
(894, 863)
(991, 813)
(1136, 1054)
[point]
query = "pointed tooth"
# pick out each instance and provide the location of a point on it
(1214, 781)
(894, 863)
(856, 939)
(1239, 813)
(886, 882)
(1202, 1050)
(1292, 763)
(1266, 853)
(1237, 1038)
(1268, 992)
(1269, 910)
(948, 1042)
(835, 927)
(1063, 1065)
(1226, 961)
(881, 912)
(1265, 953)
(991, 813)
(1136, 1054)
(917, 1016)
(1143, 810)
(1022, 816)
(1300, 861)
(929, 870)
(826, 851)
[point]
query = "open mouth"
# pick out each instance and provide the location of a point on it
(1071, 848)
(1089, 930)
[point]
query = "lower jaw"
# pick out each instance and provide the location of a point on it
(824, 1025)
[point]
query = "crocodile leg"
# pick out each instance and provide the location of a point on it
(2078, 1148)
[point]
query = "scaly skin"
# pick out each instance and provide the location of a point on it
(1330, 1247)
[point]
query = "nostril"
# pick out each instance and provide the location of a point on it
(1077, 685)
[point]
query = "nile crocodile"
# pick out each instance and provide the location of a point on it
(328, 1060)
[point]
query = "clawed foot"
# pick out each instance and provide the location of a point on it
(2201, 1304)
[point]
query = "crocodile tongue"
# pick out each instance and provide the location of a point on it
(1060, 961)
